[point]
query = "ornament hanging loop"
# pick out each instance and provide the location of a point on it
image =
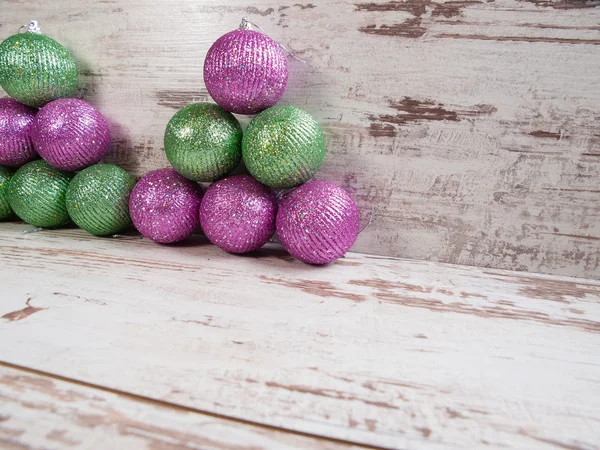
(247, 25)
(32, 27)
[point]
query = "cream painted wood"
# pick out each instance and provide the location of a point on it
(471, 125)
(375, 350)
(38, 411)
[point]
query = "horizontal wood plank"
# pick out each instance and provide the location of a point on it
(39, 411)
(375, 350)
(470, 126)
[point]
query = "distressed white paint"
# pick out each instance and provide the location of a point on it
(38, 411)
(382, 351)
(508, 179)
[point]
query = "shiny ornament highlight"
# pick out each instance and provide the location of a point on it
(164, 206)
(283, 147)
(71, 134)
(245, 71)
(16, 125)
(35, 69)
(238, 213)
(36, 193)
(318, 222)
(6, 211)
(203, 142)
(98, 199)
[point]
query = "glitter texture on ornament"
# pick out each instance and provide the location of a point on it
(16, 125)
(318, 222)
(283, 147)
(71, 134)
(36, 193)
(164, 206)
(245, 71)
(203, 142)
(238, 214)
(98, 199)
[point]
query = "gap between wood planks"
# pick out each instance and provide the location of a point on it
(175, 406)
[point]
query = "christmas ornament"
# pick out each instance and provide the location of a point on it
(238, 214)
(318, 222)
(98, 199)
(203, 142)
(164, 206)
(245, 71)
(16, 124)
(283, 147)
(5, 209)
(36, 193)
(35, 69)
(71, 134)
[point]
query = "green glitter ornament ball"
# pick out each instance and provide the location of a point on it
(203, 142)
(36, 193)
(98, 199)
(283, 147)
(5, 209)
(35, 69)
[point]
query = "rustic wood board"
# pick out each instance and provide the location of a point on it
(471, 125)
(40, 411)
(373, 350)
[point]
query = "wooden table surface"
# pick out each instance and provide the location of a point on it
(123, 343)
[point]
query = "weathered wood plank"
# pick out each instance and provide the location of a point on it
(38, 411)
(471, 125)
(376, 350)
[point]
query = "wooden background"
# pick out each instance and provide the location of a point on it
(472, 126)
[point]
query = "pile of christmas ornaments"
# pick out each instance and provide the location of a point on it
(69, 134)
(245, 72)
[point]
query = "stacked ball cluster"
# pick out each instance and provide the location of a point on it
(67, 133)
(246, 72)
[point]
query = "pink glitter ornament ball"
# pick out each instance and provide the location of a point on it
(318, 222)
(164, 206)
(16, 124)
(237, 214)
(245, 71)
(71, 134)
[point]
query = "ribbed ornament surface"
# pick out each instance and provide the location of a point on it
(203, 142)
(36, 193)
(164, 206)
(35, 69)
(98, 199)
(238, 214)
(245, 71)
(71, 134)
(16, 125)
(5, 209)
(318, 222)
(283, 147)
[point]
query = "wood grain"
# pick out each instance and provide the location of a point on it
(373, 350)
(472, 126)
(40, 411)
